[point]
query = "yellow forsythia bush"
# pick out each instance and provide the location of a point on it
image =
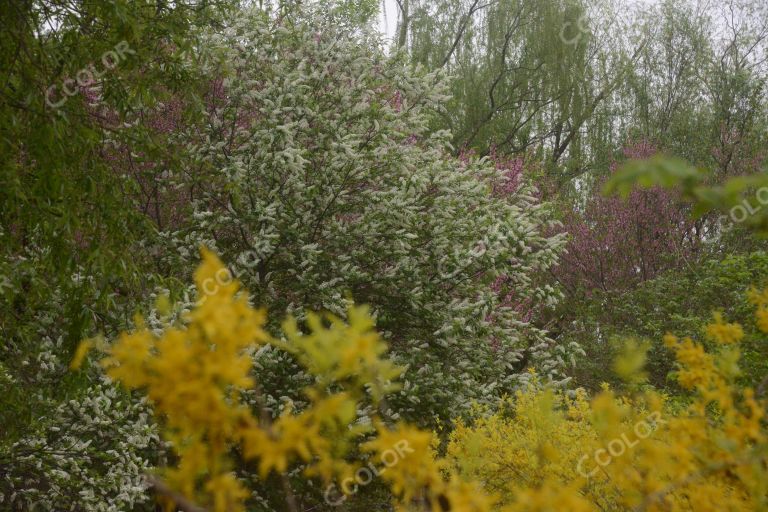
(548, 451)
(551, 451)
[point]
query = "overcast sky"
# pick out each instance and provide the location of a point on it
(388, 18)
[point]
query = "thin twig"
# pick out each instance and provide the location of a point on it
(178, 499)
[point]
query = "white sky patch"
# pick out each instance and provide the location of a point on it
(388, 19)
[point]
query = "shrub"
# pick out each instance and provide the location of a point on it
(552, 451)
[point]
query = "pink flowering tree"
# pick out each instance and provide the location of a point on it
(616, 244)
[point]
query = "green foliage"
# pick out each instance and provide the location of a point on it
(73, 241)
(681, 301)
(659, 170)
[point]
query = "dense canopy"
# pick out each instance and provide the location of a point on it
(401, 255)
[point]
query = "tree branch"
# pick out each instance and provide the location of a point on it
(178, 499)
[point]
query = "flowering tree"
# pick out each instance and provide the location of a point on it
(316, 174)
(616, 244)
(92, 453)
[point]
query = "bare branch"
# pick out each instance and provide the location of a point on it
(181, 501)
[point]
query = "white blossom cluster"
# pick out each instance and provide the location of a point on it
(92, 456)
(86, 445)
(317, 167)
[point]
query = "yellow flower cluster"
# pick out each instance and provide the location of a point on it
(760, 299)
(554, 452)
(698, 369)
(419, 480)
(193, 375)
(723, 332)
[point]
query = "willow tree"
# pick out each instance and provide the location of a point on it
(737, 84)
(525, 75)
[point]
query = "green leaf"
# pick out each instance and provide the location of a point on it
(658, 170)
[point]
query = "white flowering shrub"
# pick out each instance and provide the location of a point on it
(68, 443)
(92, 455)
(317, 177)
